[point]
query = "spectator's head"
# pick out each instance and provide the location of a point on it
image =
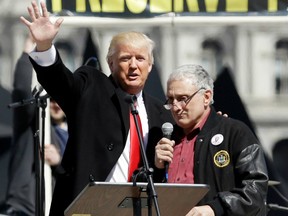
(56, 113)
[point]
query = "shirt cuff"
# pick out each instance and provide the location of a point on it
(45, 58)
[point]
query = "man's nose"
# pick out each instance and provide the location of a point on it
(176, 105)
(133, 62)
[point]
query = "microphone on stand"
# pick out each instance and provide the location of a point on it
(167, 129)
(37, 90)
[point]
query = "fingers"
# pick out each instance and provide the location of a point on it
(25, 21)
(201, 210)
(44, 9)
(163, 152)
(220, 113)
(52, 155)
(59, 22)
(31, 13)
(35, 11)
(35, 14)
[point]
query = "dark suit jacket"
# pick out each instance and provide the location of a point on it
(98, 124)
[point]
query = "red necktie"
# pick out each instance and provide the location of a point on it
(135, 154)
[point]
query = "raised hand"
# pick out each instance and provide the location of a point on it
(41, 28)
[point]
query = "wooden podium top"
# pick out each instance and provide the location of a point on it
(104, 198)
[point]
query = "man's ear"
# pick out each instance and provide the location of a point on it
(150, 67)
(110, 64)
(207, 97)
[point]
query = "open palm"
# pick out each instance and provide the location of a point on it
(41, 28)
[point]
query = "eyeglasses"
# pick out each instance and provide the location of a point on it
(182, 102)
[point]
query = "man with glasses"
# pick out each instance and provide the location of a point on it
(207, 148)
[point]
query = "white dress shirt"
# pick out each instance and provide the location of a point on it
(119, 173)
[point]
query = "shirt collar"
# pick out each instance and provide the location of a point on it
(204, 120)
(139, 98)
(193, 133)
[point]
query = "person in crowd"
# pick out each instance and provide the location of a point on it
(59, 134)
(208, 148)
(21, 192)
(97, 114)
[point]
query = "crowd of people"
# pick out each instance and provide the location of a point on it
(205, 147)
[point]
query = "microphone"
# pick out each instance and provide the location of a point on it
(37, 90)
(167, 129)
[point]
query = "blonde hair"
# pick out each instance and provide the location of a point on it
(132, 38)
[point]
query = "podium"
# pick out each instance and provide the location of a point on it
(106, 199)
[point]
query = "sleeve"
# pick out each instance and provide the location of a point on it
(45, 58)
(249, 195)
(58, 81)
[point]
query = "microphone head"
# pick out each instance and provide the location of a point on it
(167, 128)
(37, 90)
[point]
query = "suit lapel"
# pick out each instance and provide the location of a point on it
(117, 97)
(151, 110)
(123, 107)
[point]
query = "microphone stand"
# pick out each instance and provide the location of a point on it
(41, 102)
(131, 99)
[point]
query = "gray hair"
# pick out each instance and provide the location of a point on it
(132, 38)
(194, 75)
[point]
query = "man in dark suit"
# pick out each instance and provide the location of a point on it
(98, 116)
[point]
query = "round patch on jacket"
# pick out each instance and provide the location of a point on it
(217, 139)
(221, 158)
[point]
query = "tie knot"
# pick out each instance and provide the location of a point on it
(134, 101)
(130, 99)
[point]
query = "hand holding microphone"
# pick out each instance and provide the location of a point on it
(164, 148)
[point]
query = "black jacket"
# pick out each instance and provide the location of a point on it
(98, 125)
(230, 160)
